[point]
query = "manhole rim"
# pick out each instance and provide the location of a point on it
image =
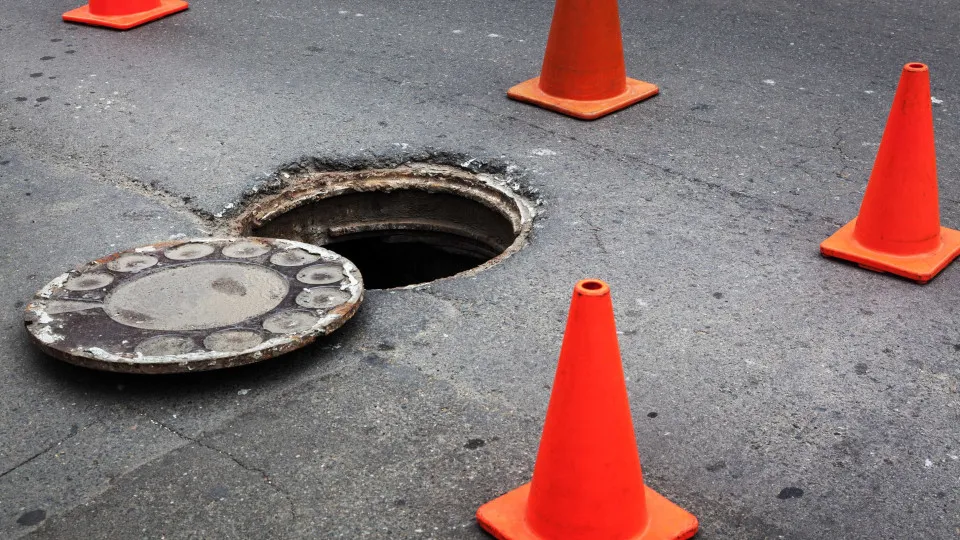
(305, 188)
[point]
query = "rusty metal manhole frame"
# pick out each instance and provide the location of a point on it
(304, 188)
(49, 314)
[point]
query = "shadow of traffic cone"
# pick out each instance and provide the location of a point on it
(898, 229)
(123, 14)
(583, 72)
(587, 482)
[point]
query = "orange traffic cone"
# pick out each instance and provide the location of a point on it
(583, 73)
(587, 482)
(898, 229)
(123, 14)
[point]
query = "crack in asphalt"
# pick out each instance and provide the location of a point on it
(669, 170)
(48, 448)
(843, 173)
(182, 205)
(245, 466)
(595, 231)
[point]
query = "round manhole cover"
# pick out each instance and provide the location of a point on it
(194, 305)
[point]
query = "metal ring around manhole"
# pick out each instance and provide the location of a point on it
(194, 305)
(403, 226)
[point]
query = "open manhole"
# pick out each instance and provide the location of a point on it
(403, 226)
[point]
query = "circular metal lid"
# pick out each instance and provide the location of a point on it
(192, 305)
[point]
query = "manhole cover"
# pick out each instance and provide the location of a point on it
(194, 305)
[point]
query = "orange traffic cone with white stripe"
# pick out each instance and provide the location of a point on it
(898, 229)
(587, 482)
(123, 14)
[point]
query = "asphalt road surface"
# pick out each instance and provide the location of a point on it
(775, 393)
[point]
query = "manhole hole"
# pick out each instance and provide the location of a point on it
(403, 226)
(194, 305)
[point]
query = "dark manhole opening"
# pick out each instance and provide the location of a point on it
(389, 261)
(403, 226)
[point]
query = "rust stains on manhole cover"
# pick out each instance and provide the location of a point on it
(194, 305)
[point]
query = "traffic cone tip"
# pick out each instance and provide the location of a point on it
(592, 287)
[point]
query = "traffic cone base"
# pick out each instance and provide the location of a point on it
(920, 268)
(504, 518)
(125, 22)
(530, 92)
